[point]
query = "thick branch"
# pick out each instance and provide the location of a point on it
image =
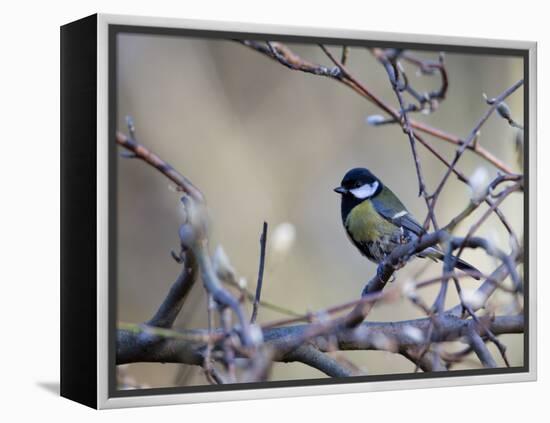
(144, 347)
(186, 346)
(172, 304)
(427, 362)
(312, 357)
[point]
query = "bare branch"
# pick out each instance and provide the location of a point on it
(472, 136)
(172, 304)
(263, 242)
(481, 349)
(240, 351)
(137, 346)
(152, 159)
(193, 235)
(393, 70)
(311, 356)
(341, 74)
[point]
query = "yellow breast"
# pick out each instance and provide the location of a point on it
(364, 222)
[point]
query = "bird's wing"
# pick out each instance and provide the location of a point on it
(389, 207)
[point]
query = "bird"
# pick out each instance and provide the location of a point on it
(376, 221)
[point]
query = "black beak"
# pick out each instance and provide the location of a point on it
(341, 190)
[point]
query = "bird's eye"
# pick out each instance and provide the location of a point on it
(358, 184)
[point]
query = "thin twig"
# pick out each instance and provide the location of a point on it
(151, 158)
(481, 349)
(471, 137)
(263, 242)
(341, 74)
(393, 71)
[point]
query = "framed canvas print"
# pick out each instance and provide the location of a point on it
(254, 211)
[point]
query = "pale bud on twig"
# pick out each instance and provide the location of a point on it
(383, 343)
(131, 126)
(375, 120)
(504, 111)
(489, 101)
(479, 183)
(283, 238)
(473, 298)
(400, 67)
(195, 213)
(223, 267)
(493, 239)
(183, 210)
(322, 317)
(361, 333)
(256, 334)
(408, 288)
(242, 282)
(414, 333)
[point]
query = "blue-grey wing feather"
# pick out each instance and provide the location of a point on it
(399, 217)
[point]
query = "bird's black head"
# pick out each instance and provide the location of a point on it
(360, 184)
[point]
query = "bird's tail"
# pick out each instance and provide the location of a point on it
(435, 254)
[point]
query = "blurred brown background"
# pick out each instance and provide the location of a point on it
(267, 143)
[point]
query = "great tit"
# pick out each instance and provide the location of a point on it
(376, 221)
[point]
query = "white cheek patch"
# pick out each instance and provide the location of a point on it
(365, 191)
